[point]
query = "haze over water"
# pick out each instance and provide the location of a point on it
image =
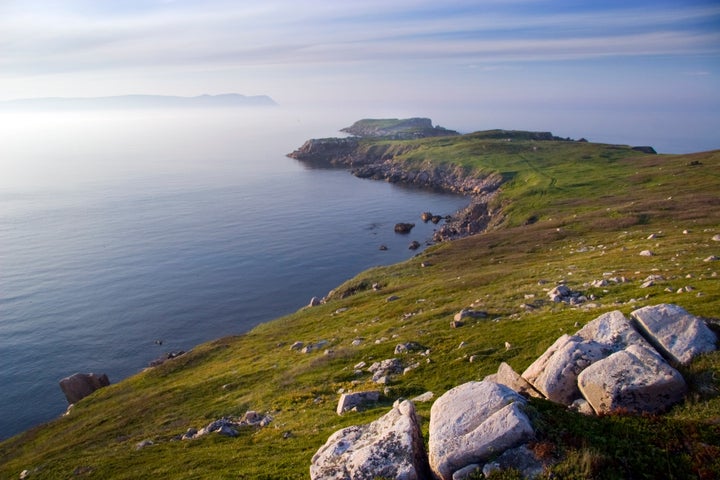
(119, 229)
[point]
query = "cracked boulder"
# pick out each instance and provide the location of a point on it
(473, 423)
(390, 447)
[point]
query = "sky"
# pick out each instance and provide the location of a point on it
(634, 71)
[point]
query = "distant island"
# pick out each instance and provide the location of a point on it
(227, 100)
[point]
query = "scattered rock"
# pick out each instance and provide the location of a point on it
(229, 426)
(390, 447)
(675, 333)
(456, 324)
(348, 401)
(382, 248)
(143, 444)
(510, 378)
(716, 238)
(414, 245)
(635, 379)
(297, 346)
(647, 253)
(426, 216)
(392, 298)
(404, 227)
(80, 385)
(381, 370)
(473, 422)
(314, 302)
(712, 258)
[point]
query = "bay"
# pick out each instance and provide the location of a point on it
(118, 229)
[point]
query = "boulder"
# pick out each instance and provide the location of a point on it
(521, 458)
(469, 313)
(472, 423)
(314, 302)
(390, 447)
(348, 401)
(612, 330)
(675, 333)
(510, 378)
(426, 216)
(408, 347)
(381, 370)
(404, 227)
(635, 379)
(554, 373)
(80, 385)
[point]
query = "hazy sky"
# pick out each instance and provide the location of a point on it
(563, 65)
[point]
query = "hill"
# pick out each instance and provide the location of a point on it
(558, 211)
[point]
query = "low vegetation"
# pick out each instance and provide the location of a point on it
(575, 212)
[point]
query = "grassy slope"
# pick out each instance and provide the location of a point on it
(593, 208)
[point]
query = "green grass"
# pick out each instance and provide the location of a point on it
(595, 206)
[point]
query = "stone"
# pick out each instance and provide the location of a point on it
(426, 216)
(314, 302)
(348, 401)
(408, 347)
(404, 227)
(465, 472)
(647, 253)
(383, 248)
(675, 333)
(510, 378)
(559, 293)
(473, 422)
(80, 385)
(716, 238)
(414, 245)
(613, 330)
(143, 444)
(469, 313)
(582, 406)
(635, 379)
(425, 397)
(390, 447)
(381, 370)
(297, 346)
(554, 373)
(520, 458)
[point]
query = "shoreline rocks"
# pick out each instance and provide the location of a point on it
(80, 385)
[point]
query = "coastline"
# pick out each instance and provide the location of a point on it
(379, 162)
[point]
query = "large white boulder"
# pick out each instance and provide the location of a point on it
(677, 334)
(390, 447)
(472, 423)
(613, 330)
(554, 373)
(636, 379)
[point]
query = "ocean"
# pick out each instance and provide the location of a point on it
(127, 235)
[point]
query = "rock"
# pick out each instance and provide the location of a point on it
(635, 379)
(426, 216)
(392, 298)
(404, 227)
(386, 367)
(228, 426)
(647, 253)
(390, 447)
(143, 444)
(559, 293)
(510, 378)
(582, 406)
(408, 347)
(554, 373)
(425, 397)
(80, 385)
(711, 258)
(382, 248)
(436, 219)
(414, 245)
(348, 401)
(520, 458)
(473, 422)
(469, 313)
(612, 330)
(716, 238)
(457, 324)
(314, 302)
(297, 346)
(675, 333)
(465, 472)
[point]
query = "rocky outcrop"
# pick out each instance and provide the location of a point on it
(350, 401)
(229, 426)
(474, 422)
(615, 364)
(80, 385)
(403, 227)
(397, 129)
(390, 447)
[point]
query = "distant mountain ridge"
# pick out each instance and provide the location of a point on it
(138, 101)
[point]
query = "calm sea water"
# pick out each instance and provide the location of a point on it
(119, 229)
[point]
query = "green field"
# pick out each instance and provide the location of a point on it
(572, 211)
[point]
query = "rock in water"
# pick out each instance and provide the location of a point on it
(390, 447)
(472, 423)
(80, 385)
(404, 227)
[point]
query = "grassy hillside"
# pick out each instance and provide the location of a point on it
(576, 212)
